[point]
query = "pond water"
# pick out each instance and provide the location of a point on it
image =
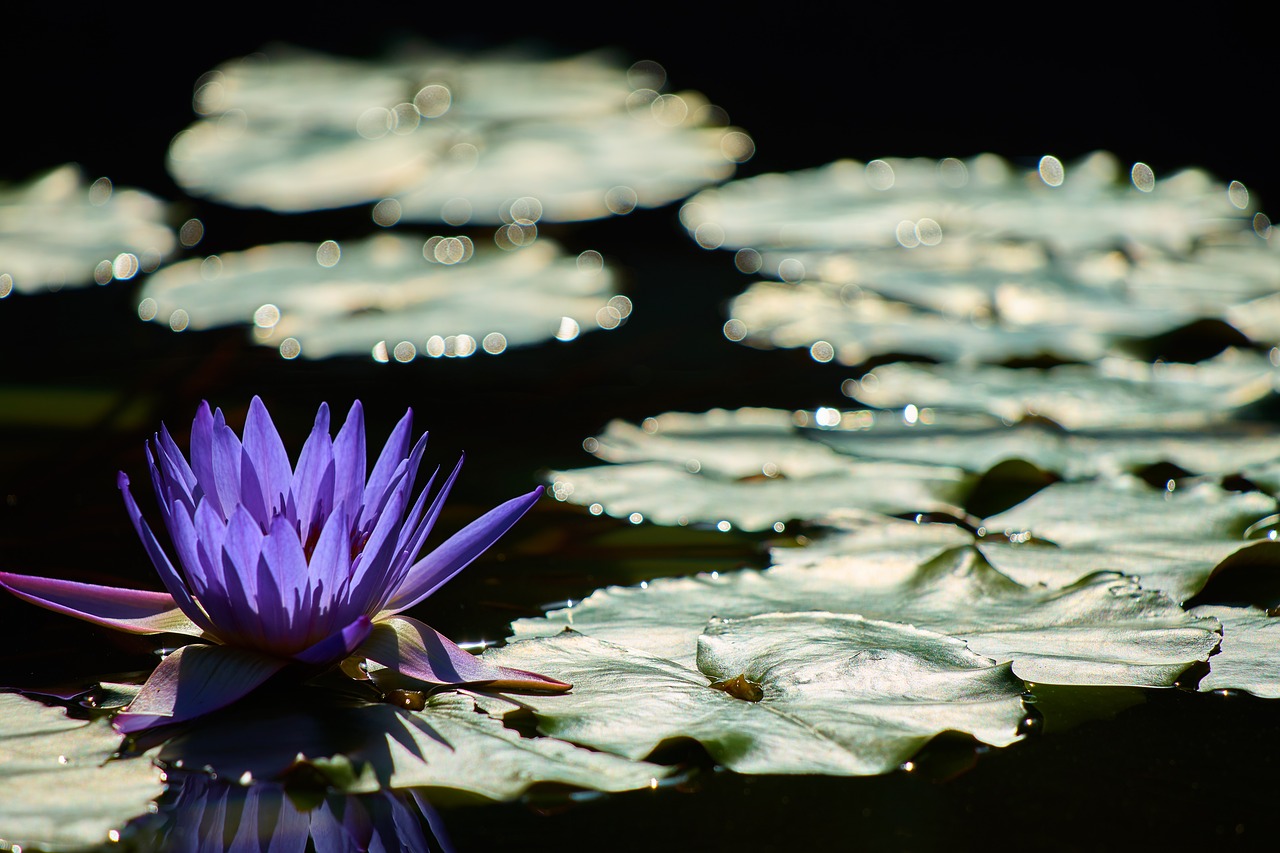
(1094, 756)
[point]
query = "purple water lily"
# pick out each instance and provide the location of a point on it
(280, 566)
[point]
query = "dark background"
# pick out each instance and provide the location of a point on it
(109, 86)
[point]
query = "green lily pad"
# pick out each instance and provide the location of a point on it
(57, 231)
(1171, 541)
(448, 744)
(1250, 656)
(1114, 393)
(59, 786)
(778, 693)
(976, 444)
(1101, 630)
(381, 295)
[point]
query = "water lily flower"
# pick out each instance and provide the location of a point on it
(278, 566)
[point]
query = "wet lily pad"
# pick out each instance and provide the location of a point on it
(1100, 630)
(779, 693)
(1250, 655)
(381, 295)
(449, 138)
(59, 788)
(447, 744)
(59, 231)
(1171, 541)
(852, 205)
(1114, 393)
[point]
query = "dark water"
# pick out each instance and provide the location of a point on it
(109, 89)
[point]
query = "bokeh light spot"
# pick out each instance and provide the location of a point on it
(100, 192)
(125, 266)
(709, 235)
(290, 349)
(879, 175)
(147, 309)
(822, 352)
(266, 316)
(191, 233)
(405, 352)
(621, 200)
(387, 212)
(494, 343)
(328, 253)
(179, 320)
(1143, 177)
(1238, 194)
(102, 272)
(433, 100)
(590, 261)
(748, 261)
(737, 147)
(1052, 171)
(735, 330)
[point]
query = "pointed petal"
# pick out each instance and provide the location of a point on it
(251, 491)
(194, 681)
(418, 651)
(393, 453)
(312, 484)
(329, 567)
(263, 446)
(168, 575)
(226, 465)
(334, 648)
(134, 610)
(408, 552)
(369, 570)
(433, 570)
(288, 565)
(241, 549)
(202, 455)
(349, 461)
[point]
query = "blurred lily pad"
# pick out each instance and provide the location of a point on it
(778, 693)
(1100, 630)
(1250, 656)
(852, 205)
(450, 138)
(447, 744)
(60, 788)
(57, 231)
(1113, 393)
(1171, 541)
(382, 295)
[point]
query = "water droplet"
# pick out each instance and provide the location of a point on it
(1238, 194)
(191, 233)
(1052, 171)
(1143, 177)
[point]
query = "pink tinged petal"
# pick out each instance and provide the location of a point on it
(196, 680)
(226, 466)
(338, 646)
(202, 455)
(349, 461)
(263, 446)
(418, 651)
(136, 611)
(433, 570)
(168, 575)
(394, 452)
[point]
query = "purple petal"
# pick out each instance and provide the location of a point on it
(251, 491)
(337, 646)
(433, 570)
(408, 551)
(194, 681)
(349, 461)
(312, 484)
(369, 569)
(393, 453)
(226, 465)
(283, 555)
(168, 575)
(134, 610)
(329, 567)
(202, 455)
(262, 445)
(241, 548)
(419, 651)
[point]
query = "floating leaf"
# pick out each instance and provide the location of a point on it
(59, 787)
(381, 292)
(1100, 630)
(56, 232)
(1250, 655)
(1114, 393)
(1171, 541)
(486, 140)
(819, 693)
(447, 744)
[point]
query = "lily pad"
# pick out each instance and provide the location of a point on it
(57, 231)
(382, 295)
(448, 744)
(449, 138)
(1113, 393)
(1171, 541)
(1100, 630)
(1250, 656)
(852, 205)
(779, 693)
(59, 786)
